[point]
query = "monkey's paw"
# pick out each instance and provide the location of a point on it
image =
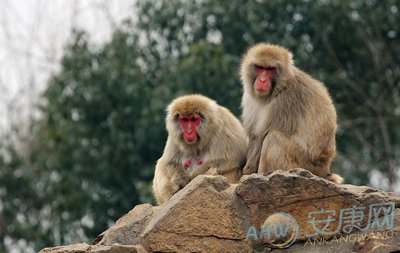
(212, 172)
(249, 169)
(181, 180)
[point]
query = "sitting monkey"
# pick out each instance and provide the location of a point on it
(203, 138)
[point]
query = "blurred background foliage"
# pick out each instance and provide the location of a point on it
(90, 158)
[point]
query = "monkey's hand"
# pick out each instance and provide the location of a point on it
(180, 180)
(250, 168)
(213, 172)
(206, 167)
(199, 171)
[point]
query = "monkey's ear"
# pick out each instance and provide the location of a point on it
(168, 109)
(290, 58)
(176, 117)
(213, 106)
(289, 65)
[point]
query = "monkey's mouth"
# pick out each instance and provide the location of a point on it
(190, 142)
(263, 92)
(267, 90)
(190, 138)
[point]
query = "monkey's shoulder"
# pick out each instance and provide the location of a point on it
(308, 85)
(227, 117)
(297, 103)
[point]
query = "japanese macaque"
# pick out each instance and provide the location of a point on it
(203, 138)
(289, 116)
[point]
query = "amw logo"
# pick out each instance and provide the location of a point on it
(280, 230)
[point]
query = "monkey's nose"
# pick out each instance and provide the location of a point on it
(263, 77)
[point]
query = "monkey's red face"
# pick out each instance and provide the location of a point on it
(189, 124)
(264, 79)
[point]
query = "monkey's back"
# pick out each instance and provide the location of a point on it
(315, 124)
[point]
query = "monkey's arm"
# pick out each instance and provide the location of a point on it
(253, 154)
(168, 179)
(177, 174)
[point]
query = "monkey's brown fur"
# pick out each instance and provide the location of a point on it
(293, 126)
(221, 144)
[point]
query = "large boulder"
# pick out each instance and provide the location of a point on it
(206, 216)
(293, 209)
(320, 209)
(128, 228)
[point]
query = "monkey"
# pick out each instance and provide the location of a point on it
(203, 138)
(288, 115)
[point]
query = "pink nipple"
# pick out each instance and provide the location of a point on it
(199, 161)
(188, 163)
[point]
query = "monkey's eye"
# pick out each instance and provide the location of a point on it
(256, 67)
(261, 68)
(185, 119)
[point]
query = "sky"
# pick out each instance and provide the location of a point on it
(33, 34)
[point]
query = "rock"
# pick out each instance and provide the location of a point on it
(294, 209)
(85, 248)
(74, 248)
(376, 242)
(299, 192)
(206, 216)
(127, 229)
(117, 248)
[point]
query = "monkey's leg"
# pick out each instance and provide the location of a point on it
(320, 165)
(317, 155)
(277, 153)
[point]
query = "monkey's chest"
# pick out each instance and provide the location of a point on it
(261, 123)
(257, 117)
(191, 164)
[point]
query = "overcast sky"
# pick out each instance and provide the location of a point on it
(33, 34)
